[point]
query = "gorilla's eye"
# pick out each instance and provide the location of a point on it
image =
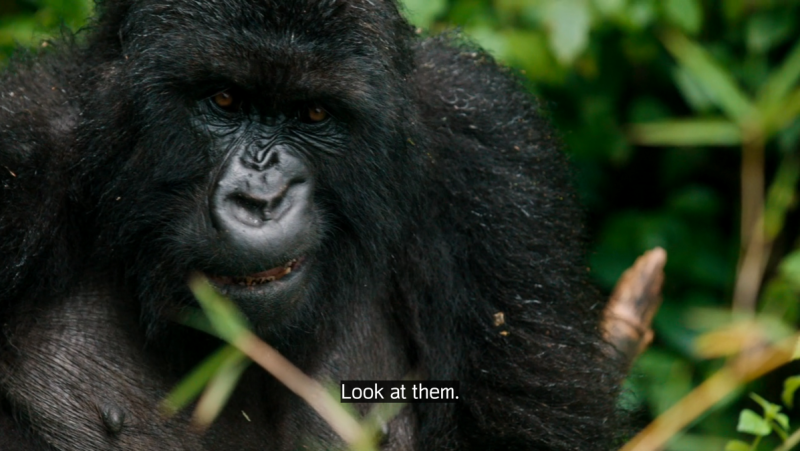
(228, 101)
(313, 113)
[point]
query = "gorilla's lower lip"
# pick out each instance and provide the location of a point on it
(260, 278)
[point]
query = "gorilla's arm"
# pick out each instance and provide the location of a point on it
(514, 243)
(79, 376)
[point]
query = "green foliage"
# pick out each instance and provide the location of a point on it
(750, 422)
(790, 386)
(27, 22)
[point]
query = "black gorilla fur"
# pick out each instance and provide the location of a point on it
(439, 199)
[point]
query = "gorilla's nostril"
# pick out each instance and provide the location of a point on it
(248, 208)
(272, 160)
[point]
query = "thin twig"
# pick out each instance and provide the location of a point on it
(790, 442)
(755, 247)
(749, 365)
(303, 386)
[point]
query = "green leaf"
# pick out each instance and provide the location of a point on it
(790, 268)
(770, 410)
(752, 423)
(692, 90)
(491, 40)
(610, 8)
(768, 29)
(529, 50)
(717, 83)
(220, 388)
(789, 136)
(781, 196)
(685, 14)
(737, 445)
(191, 386)
(790, 386)
(782, 115)
(734, 10)
(196, 319)
(640, 13)
(422, 13)
(783, 421)
(226, 319)
(690, 132)
(778, 86)
(568, 24)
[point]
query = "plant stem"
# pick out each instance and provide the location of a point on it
(790, 443)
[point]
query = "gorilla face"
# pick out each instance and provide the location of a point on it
(265, 224)
(271, 158)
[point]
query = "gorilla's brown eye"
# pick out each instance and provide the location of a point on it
(226, 101)
(313, 113)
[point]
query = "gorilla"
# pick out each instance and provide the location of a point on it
(376, 203)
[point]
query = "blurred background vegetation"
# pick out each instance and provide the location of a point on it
(681, 119)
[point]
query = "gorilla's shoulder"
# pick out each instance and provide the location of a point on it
(38, 104)
(486, 124)
(462, 91)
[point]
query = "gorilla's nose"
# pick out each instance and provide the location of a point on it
(262, 200)
(254, 205)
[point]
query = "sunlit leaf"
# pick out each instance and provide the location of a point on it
(715, 80)
(770, 410)
(692, 90)
(752, 423)
(529, 50)
(784, 113)
(790, 386)
(640, 13)
(728, 340)
(690, 132)
(196, 319)
(568, 23)
(610, 7)
(789, 136)
(422, 13)
(191, 386)
(783, 420)
(737, 445)
(685, 14)
(767, 29)
(220, 388)
(226, 319)
(774, 92)
(22, 30)
(781, 196)
(491, 40)
(790, 267)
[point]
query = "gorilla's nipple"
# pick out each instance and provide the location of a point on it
(113, 417)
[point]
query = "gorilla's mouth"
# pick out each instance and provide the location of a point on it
(260, 278)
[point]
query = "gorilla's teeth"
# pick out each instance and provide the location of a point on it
(261, 278)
